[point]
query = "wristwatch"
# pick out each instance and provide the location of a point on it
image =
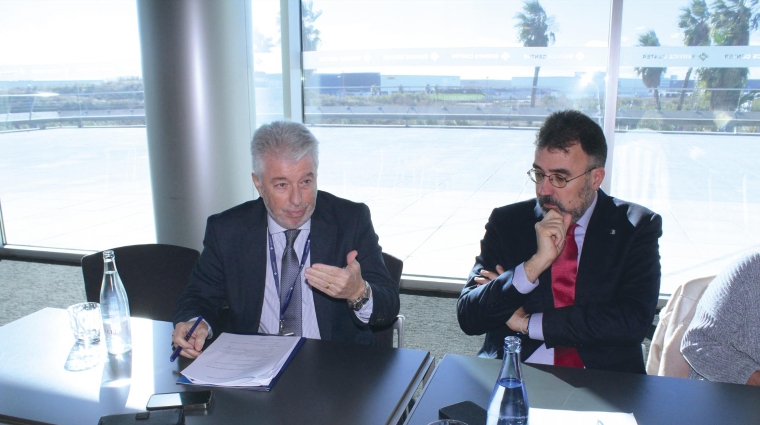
(358, 303)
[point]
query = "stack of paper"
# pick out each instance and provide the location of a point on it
(242, 361)
(569, 417)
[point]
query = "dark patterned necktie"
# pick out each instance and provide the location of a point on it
(291, 276)
(564, 273)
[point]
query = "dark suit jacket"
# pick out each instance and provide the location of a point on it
(617, 285)
(231, 270)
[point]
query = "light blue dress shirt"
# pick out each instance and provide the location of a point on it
(520, 280)
(270, 313)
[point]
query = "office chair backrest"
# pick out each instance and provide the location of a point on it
(384, 334)
(394, 265)
(154, 276)
(665, 358)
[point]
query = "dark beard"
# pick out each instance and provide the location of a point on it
(586, 194)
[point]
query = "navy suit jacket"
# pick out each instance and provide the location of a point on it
(231, 270)
(617, 286)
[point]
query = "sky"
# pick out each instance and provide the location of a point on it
(101, 36)
(60, 32)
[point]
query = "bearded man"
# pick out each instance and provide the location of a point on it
(574, 272)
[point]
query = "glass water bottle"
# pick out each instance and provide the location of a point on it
(509, 400)
(114, 307)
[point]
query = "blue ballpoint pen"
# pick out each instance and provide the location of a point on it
(187, 337)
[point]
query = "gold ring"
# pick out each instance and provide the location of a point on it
(328, 285)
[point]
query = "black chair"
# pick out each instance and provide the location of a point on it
(154, 276)
(384, 333)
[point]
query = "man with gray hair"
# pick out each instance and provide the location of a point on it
(285, 263)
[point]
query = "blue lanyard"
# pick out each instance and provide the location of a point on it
(284, 306)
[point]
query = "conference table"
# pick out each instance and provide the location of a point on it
(325, 383)
(654, 400)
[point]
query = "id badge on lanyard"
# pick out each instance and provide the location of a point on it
(273, 262)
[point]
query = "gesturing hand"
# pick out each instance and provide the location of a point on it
(342, 283)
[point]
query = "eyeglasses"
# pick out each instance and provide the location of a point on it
(555, 179)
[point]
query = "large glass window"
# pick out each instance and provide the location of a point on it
(74, 164)
(687, 129)
(437, 104)
(452, 63)
(267, 60)
(427, 111)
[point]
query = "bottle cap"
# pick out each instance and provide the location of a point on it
(512, 344)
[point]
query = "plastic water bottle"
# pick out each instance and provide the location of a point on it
(114, 307)
(509, 400)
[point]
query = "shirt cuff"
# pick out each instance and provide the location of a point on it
(520, 280)
(210, 332)
(365, 312)
(536, 326)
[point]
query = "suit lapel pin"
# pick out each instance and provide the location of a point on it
(612, 231)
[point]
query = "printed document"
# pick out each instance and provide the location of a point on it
(569, 417)
(242, 361)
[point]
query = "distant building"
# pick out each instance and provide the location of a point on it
(356, 83)
(417, 83)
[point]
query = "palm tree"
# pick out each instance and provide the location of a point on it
(535, 30)
(694, 21)
(309, 35)
(651, 76)
(732, 21)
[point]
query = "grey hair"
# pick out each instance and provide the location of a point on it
(285, 140)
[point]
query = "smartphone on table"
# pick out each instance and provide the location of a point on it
(186, 400)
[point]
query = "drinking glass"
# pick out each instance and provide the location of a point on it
(85, 322)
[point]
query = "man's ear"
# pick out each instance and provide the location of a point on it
(597, 175)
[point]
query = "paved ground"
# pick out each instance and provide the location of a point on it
(430, 190)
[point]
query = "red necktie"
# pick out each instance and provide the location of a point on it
(564, 272)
